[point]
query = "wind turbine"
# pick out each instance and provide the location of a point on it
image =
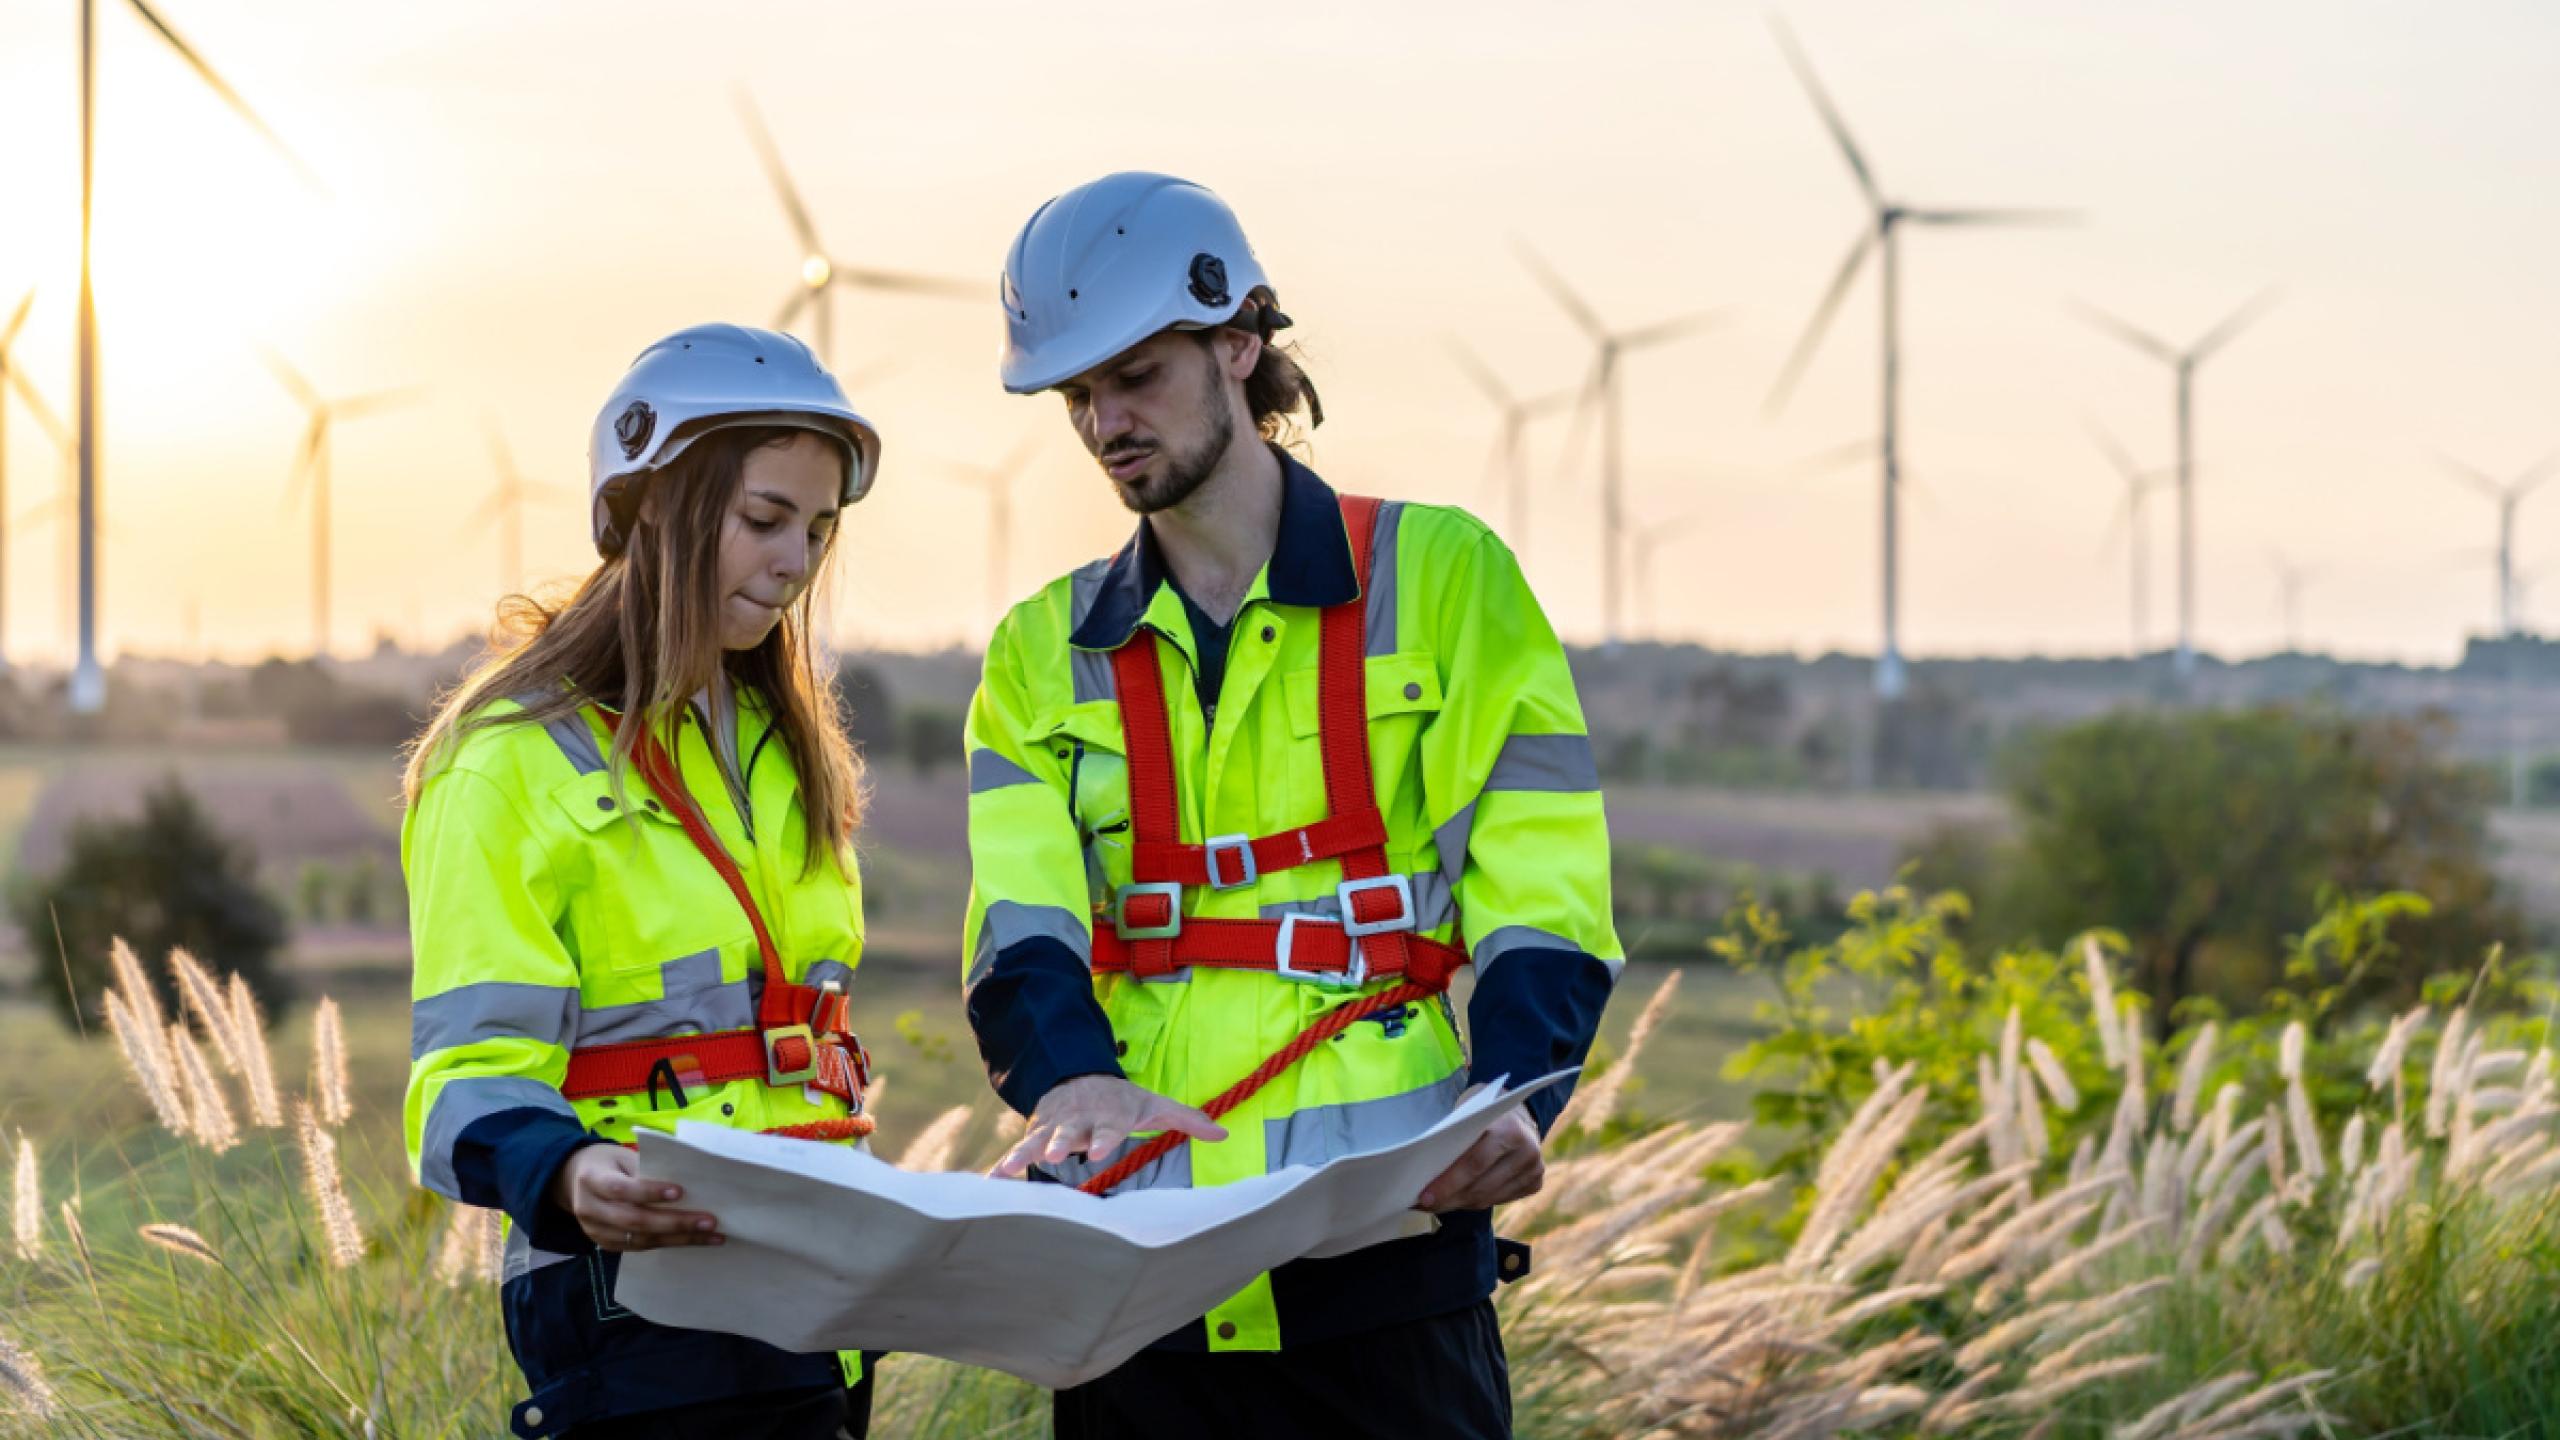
(61, 503)
(2508, 495)
(821, 273)
(1508, 462)
(311, 465)
(10, 379)
(2290, 578)
(2138, 485)
(2183, 363)
(506, 505)
(88, 689)
(1609, 347)
(1882, 236)
(997, 481)
(1646, 540)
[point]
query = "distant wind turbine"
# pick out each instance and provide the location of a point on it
(1508, 461)
(10, 380)
(1647, 539)
(2508, 495)
(506, 506)
(821, 274)
(1881, 237)
(2183, 363)
(2138, 485)
(88, 689)
(2291, 577)
(997, 481)
(60, 505)
(311, 468)
(1602, 392)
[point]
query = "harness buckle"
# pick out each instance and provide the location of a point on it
(1165, 929)
(780, 1073)
(1240, 846)
(1354, 926)
(1352, 976)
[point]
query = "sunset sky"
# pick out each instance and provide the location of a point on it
(517, 198)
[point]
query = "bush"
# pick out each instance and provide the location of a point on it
(164, 879)
(930, 735)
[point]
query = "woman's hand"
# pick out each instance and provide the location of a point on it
(601, 1188)
(1091, 1116)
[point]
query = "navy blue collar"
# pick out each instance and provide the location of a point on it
(1310, 562)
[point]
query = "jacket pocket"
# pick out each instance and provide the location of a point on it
(1401, 684)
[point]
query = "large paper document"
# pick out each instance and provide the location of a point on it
(831, 1249)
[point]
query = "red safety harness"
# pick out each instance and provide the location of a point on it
(1145, 932)
(802, 1035)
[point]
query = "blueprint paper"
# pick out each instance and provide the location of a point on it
(833, 1249)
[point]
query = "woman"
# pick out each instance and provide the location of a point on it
(633, 897)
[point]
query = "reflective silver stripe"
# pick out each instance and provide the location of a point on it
(1526, 937)
(1328, 1132)
(576, 741)
(694, 999)
(1451, 841)
(1433, 905)
(820, 972)
(1010, 922)
(1091, 668)
(1172, 1172)
(461, 1101)
(1557, 763)
(493, 1010)
(991, 771)
(523, 1259)
(1379, 609)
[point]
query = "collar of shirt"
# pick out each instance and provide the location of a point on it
(1310, 563)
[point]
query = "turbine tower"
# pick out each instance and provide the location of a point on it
(2183, 364)
(506, 506)
(1646, 541)
(1881, 236)
(997, 481)
(9, 380)
(88, 689)
(1601, 391)
(311, 467)
(2508, 495)
(1508, 462)
(2138, 485)
(2290, 578)
(821, 274)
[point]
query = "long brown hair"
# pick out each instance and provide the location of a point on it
(641, 636)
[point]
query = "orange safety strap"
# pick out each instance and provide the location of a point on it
(803, 1034)
(1354, 831)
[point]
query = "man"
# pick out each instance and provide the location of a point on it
(1247, 783)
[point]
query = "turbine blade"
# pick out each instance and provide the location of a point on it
(1585, 405)
(2534, 479)
(2117, 455)
(1992, 217)
(9, 336)
(312, 436)
(906, 282)
(801, 296)
(2141, 340)
(1820, 324)
(2474, 477)
(221, 87)
(2232, 324)
(1670, 330)
(1824, 461)
(1583, 315)
(1481, 373)
(292, 380)
(500, 458)
(485, 512)
(46, 420)
(771, 157)
(1830, 114)
(1010, 468)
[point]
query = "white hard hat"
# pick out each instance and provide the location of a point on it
(713, 377)
(1113, 262)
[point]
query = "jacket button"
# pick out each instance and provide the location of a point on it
(533, 1416)
(1226, 1329)
(1413, 692)
(604, 802)
(728, 1109)
(1268, 634)
(1120, 1048)
(1510, 1264)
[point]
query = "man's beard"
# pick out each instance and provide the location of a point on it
(1186, 471)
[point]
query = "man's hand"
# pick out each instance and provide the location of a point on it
(601, 1188)
(1505, 1163)
(1092, 1115)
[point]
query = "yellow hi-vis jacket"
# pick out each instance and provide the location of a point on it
(548, 912)
(1484, 773)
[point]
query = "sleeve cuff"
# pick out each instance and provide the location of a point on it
(508, 1160)
(1037, 1022)
(1535, 1013)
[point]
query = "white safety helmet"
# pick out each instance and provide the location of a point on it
(706, 378)
(1109, 264)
